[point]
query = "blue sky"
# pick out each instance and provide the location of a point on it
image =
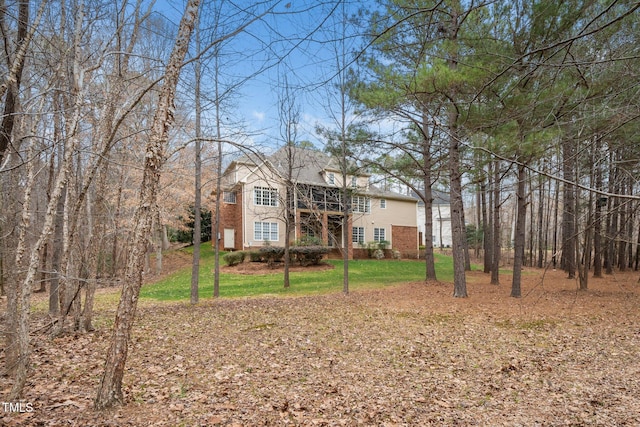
(287, 43)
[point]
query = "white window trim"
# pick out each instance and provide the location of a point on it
(273, 228)
(355, 235)
(381, 234)
(272, 196)
(357, 206)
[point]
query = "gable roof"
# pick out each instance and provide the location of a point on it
(309, 167)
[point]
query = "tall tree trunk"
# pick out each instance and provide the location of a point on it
(18, 305)
(585, 258)
(455, 175)
(631, 215)
(429, 258)
(12, 81)
(621, 231)
(287, 226)
(519, 241)
(541, 232)
(218, 198)
(115, 264)
(197, 202)
(54, 290)
(529, 241)
(344, 165)
(556, 213)
(289, 118)
(45, 274)
(16, 347)
(11, 200)
(465, 241)
(486, 220)
(94, 249)
(569, 237)
(597, 222)
(157, 241)
(20, 335)
(478, 223)
(110, 388)
(74, 196)
(346, 235)
(611, 218)
(496, 247)
(457, 229)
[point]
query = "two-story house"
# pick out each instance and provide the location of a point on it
(254, 195)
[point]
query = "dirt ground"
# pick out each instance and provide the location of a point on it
(406, 355)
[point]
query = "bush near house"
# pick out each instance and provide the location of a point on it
(303, 254)
(308, 255)
(234, 258)
(376, 249)
(255, 256)
(271, 254)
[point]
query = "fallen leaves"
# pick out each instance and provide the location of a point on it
(408, 355)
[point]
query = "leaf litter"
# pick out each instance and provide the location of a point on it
(401, 356)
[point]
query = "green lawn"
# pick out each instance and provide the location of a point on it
(362, 274)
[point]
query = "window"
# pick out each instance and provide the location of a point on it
(361, 204)
(383, 203)
(265, 231)
(379, 234)
(263, 196)
(229, 197)
(331, 178)
(358, 235)
(354, 181)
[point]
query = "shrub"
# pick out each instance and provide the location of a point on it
(308, 241)
(272, 254)
(308, 255)
(234, 258)
(255, 256)
(383, 244)
(374, 247)
(371, 247)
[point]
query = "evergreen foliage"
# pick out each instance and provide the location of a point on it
(185, 235)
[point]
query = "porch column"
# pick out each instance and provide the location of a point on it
(298, 228)
(325, 229)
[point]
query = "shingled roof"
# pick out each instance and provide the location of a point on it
(309, 167)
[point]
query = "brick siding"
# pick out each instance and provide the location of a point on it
(231, 217)
(405, 239)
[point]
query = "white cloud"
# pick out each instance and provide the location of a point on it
(258, 115)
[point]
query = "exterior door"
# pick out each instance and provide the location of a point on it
(229, 238)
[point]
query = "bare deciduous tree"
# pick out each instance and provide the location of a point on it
(110, 388)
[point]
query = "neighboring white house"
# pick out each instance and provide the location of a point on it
(441, 214)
